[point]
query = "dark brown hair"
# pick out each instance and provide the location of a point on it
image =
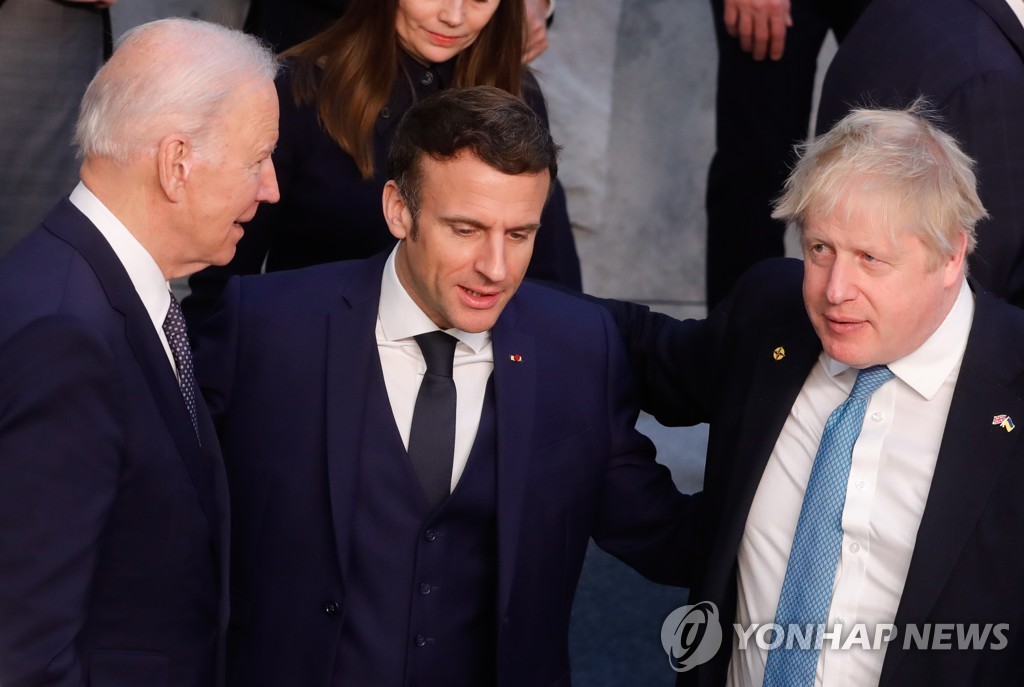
(495, 126)
(358, 55)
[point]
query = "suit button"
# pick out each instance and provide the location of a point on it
(331, 608)
(424, 589)
(428, 78)
(421, 640)
(430, 535)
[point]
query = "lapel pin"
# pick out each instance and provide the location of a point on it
(516, 358)
(779, 353)
(1004, 421)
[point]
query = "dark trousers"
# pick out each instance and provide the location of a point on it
(762, 110)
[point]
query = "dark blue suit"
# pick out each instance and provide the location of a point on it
(967, 57)
(113, 519)
(967, 563)
(292, 373)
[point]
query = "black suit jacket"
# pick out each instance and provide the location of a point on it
(113, 518)
(966, 567)
(286, 367)
(967, 58)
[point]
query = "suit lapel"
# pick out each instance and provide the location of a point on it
(72, 226)
(782, 360)
(971, 459)
(515, 383)
(352, 364)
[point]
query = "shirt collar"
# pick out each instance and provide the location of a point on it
(927, 368)
(400, 317)
(146, 277)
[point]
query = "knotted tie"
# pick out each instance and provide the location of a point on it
(807, 588)
(432, 437)
(177, 338)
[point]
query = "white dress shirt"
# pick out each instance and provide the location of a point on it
(399, 319)
(145, 275)
(892, 467)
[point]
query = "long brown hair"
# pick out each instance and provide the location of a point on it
(358, 55)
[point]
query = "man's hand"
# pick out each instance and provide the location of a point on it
(536, 28)
(760, 25)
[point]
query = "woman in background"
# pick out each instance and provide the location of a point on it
(342, 93)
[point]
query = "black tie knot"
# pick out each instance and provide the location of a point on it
(438, 351)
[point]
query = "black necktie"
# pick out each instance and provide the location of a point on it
(177, 337)
(432, 437)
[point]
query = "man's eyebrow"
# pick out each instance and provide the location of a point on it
(459, 219)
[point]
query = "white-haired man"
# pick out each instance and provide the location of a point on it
(113, 505)
(863, 470)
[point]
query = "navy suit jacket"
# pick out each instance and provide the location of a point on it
(286, 365)
(967, 57)
(113, 518)
(967, 564)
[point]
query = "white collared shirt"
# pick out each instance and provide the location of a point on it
(891, 472)
(399, 319)
(146, 277)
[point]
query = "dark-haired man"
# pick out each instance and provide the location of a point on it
(407, 517)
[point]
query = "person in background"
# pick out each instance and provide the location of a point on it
(113, 498)
(420, 445)
(342, 94)
(767, 59)
(967, 58)
(865, 461)
(49, 51)
(285, 23)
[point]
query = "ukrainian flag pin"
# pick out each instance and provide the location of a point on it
(1004, 421)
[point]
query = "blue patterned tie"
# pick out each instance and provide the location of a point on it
(177, 338)
(807, 588)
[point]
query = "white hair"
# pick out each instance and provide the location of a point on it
(901, 157)
(170, 75)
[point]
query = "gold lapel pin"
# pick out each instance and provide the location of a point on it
(516, 358)
(779, 353)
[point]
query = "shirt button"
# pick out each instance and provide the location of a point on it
(385, 113)
(427, 79)
(860, 484)
(421, 640)
(841, 621)
(424, 589)
(877, 417)
(430, 535)
(331, 608)
(854, 547)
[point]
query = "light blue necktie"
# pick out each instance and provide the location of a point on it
(807, 588)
